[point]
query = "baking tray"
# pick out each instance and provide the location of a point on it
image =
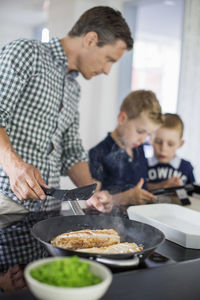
(180, 225)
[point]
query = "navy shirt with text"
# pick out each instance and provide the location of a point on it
(178, 167)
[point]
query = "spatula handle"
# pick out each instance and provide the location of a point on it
(48, 192)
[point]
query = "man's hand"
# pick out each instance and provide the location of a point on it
(137, 195)
(13, 279)
(102, 201)
(26, 181)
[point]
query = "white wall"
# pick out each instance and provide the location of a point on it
(18, 19)
(189, 90)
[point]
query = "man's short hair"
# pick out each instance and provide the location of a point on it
(141, 101)
(107, 22)
(173, 121)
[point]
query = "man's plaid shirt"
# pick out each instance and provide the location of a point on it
(39, 110)
(17, 244)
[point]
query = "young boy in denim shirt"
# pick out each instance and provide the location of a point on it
(118, 161)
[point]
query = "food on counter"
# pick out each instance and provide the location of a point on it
(86, 238)
(66, 272)
(113, 249)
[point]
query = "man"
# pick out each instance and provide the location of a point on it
(39, 119)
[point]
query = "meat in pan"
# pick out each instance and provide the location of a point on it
(86, 238)
(105, 241)
(117, 248)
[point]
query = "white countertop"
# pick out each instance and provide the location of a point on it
(195, 203)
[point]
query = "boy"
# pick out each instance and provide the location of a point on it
(165, 168)
(118, 161)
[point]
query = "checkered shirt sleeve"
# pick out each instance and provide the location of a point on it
(15, 68)
(39, 110)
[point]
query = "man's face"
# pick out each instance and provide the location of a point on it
(134, 132)
(96, 60)
(166, 143)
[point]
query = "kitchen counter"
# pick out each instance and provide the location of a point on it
(174, 280)
(195, 203)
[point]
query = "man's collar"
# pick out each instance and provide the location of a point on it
(58, 51)
(59, 54)
(175, 162)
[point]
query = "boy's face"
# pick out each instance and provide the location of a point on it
(166, 143)
(134, 132)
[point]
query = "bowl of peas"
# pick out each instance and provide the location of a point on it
(61, 278)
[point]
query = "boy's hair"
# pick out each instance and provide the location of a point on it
(107, 23)
(173, 121)
(141, 101)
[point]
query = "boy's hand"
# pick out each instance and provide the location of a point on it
(102, 201)
(139, 195)
(173, 181)
(170, 182)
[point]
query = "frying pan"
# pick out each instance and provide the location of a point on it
(130, 231)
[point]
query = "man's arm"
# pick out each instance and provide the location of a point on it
(80, 175)
(25, 180)
(16, 67)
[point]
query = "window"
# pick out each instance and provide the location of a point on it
(157, 50)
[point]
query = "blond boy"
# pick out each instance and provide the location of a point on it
(118, 161)
(166, 168)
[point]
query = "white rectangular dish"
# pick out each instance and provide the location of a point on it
(179, 224)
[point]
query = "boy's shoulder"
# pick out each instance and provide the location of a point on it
(104, 146)
(186, 164)
(141, 149)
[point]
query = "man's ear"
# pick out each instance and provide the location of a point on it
(182, 142)
(90, 39)
(122, 117)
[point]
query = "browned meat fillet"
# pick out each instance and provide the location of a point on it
(86, 239)
(117, 248)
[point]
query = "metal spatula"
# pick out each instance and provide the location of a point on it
(81, 193)
(72, 196)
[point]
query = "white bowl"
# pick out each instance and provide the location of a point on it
(48, 292)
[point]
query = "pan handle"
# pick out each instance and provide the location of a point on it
(119, 263)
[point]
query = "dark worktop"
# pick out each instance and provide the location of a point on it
(178, 279)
